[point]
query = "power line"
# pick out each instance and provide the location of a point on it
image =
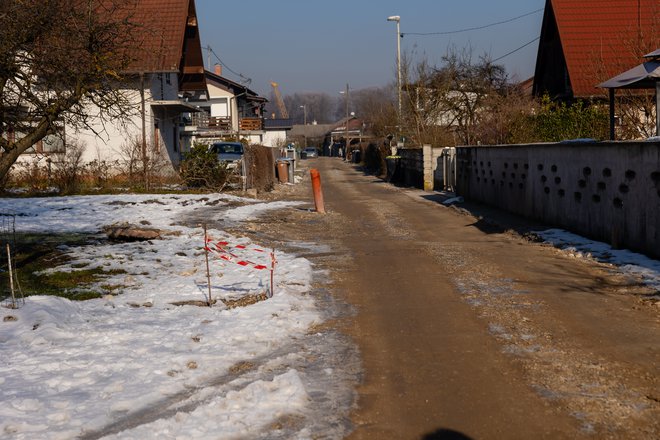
(473, 28)
(245, 79)
(516, 50)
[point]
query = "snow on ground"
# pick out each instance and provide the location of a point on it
(630, 262)
(136, 366)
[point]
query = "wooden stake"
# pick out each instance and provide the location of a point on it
(208, 271)
(272, 272)
(11, 278)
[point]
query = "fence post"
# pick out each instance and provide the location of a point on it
(427, 153)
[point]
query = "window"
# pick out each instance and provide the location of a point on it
(53, 143)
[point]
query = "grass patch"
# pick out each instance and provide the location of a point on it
(75, 278)
(34, 253)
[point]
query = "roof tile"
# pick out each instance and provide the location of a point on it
(161, 44)
(601, 38)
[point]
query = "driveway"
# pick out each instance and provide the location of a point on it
(466, 328)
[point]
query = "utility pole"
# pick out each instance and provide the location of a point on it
(346, 124)
(397, 19)
(304, 107)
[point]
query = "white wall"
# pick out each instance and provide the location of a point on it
(274, 138)
(220, 107)
(223, 104)
(108, 140)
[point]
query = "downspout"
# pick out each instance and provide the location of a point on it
(144, 132)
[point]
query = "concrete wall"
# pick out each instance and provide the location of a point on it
(423, 167)
(434, 168)
(607, 191)
(412, 163)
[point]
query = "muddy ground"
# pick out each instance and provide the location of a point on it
(464, 326)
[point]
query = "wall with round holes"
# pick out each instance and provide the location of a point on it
(607, 191)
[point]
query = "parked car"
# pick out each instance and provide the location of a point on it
(230, 153)
(310, 152)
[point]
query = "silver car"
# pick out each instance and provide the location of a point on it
(310, 152)
(230, 153)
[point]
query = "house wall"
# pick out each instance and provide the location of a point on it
(113, 142)
(220, 107)
(274, 138)
(110, 140)
(223, 104)
(606, 191)
(253, 138)
(162, 86)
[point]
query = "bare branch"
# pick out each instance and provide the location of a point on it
(58, 60)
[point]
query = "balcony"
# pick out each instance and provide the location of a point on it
(251, 124)
(202, 120)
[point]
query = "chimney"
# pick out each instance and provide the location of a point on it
(218, 69)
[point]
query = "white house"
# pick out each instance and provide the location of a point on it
(229, 110)
(167, 72)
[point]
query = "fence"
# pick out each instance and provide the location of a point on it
(608, 191)
(428, 167)
(10, 292)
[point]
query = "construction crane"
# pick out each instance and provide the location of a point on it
(280, 102)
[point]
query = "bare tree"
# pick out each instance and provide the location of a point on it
(635, 108)
(507, 118)
(377, 108)
(318, 107)
(449, 101)
(59, 59)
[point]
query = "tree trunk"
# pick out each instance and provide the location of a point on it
(15, 149)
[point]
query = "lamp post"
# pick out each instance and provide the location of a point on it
(304, 107)
(397, 19)
(345, 93)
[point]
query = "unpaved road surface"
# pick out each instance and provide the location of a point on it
(466, 329)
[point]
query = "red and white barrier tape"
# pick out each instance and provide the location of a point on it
(221, 249)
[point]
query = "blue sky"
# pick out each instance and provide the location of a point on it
(319, 46)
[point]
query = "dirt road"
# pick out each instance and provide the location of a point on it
(467, 329)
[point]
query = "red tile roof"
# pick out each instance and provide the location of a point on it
(601, 38)
(161, 44)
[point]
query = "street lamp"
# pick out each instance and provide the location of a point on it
(346, 124)
(304, 107)
(397, 19)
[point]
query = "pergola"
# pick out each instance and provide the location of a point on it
(643, 76)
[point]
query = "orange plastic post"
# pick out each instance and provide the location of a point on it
(318, 193)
